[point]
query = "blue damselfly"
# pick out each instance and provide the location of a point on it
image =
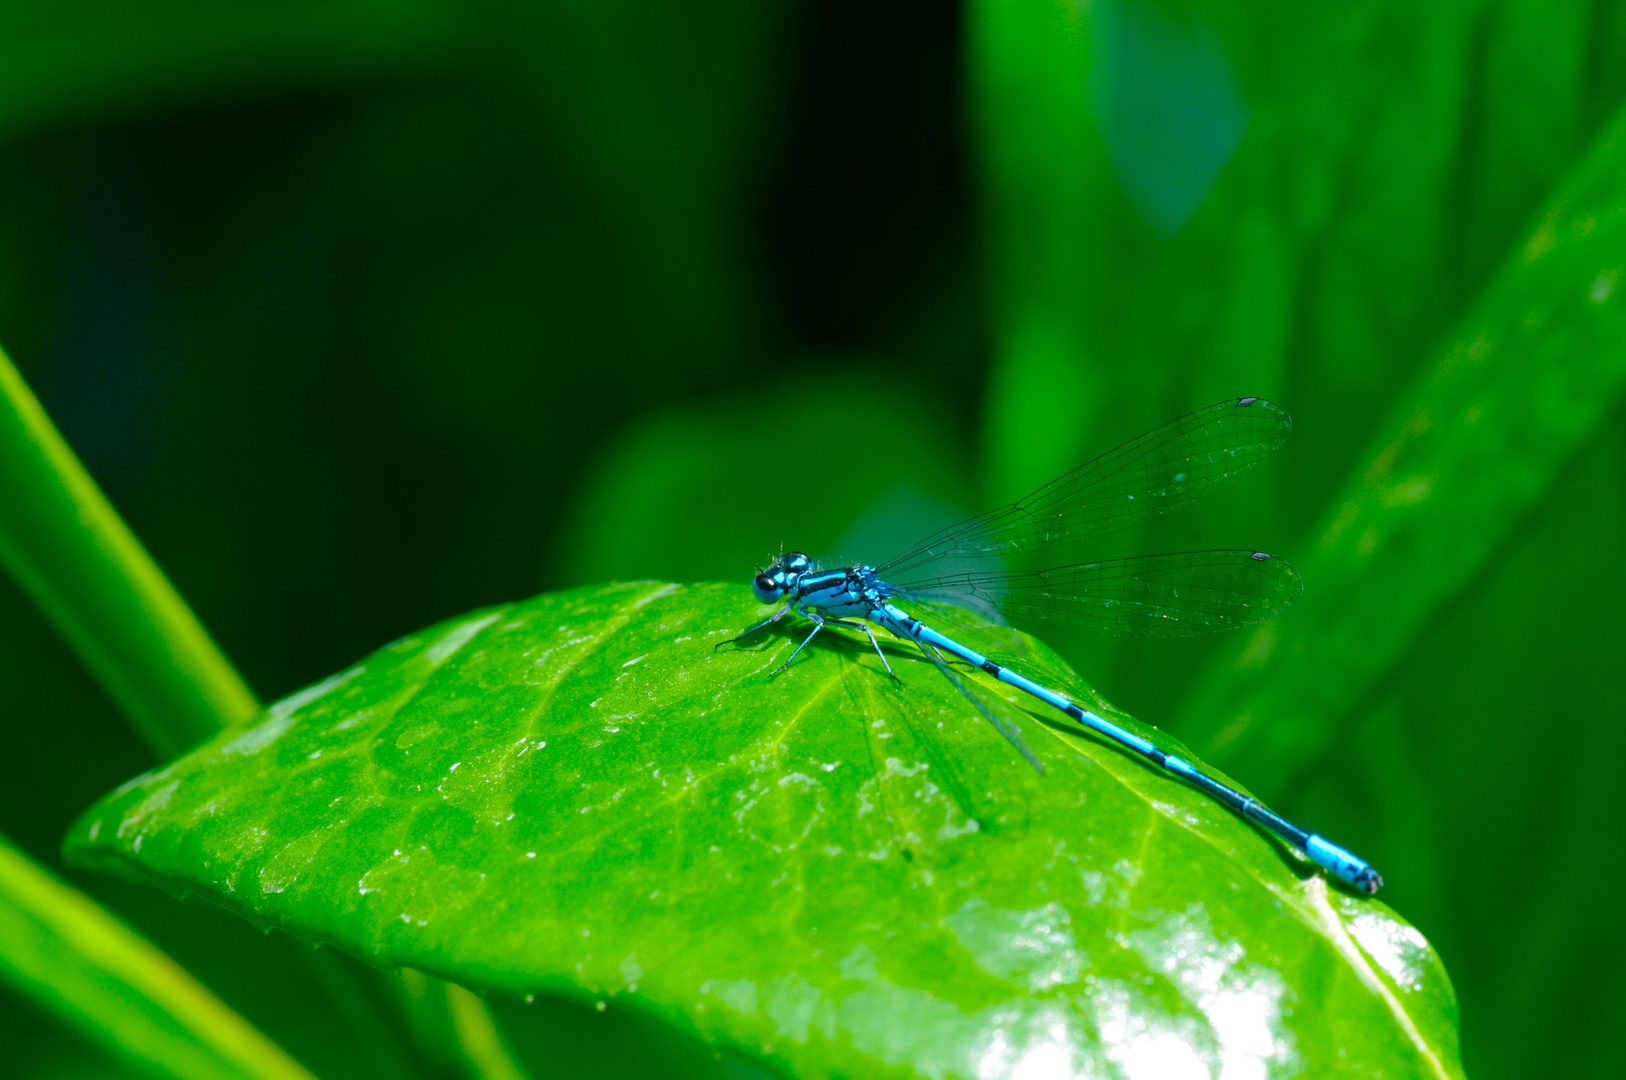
(1151, 596)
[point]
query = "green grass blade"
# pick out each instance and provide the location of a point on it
(77, 960)
(1468, 452)
(74, 555)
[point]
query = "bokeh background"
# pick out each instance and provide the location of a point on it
(368, 312)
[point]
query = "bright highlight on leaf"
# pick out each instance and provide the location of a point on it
(578, 795)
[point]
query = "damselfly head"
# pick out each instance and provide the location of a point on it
(773, 583)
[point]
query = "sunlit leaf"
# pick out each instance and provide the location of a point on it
(580, 795)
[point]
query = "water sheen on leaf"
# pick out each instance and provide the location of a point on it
(829, 870)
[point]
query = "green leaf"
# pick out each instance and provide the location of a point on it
(581, 795)
(1477, 441)
(62, 949)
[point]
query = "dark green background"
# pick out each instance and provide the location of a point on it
(368, 313)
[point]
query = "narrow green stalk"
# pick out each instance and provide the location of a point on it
(454, 1027)
(68, 953)
(72, 553)
(364, 1016)
(479, 1038)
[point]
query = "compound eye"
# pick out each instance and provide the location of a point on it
(796, 562)
(767, 589)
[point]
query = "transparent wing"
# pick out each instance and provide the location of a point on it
(1165, 468)
(1196, 592)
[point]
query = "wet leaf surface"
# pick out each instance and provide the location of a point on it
(829, 870)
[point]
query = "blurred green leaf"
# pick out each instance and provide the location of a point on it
(67, 953)
(92, 60)
(579, 795)
(1476, 443)
(1392, 155)
(1048, 189)
(1444, 774)
(712, 490)
(665, 107)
